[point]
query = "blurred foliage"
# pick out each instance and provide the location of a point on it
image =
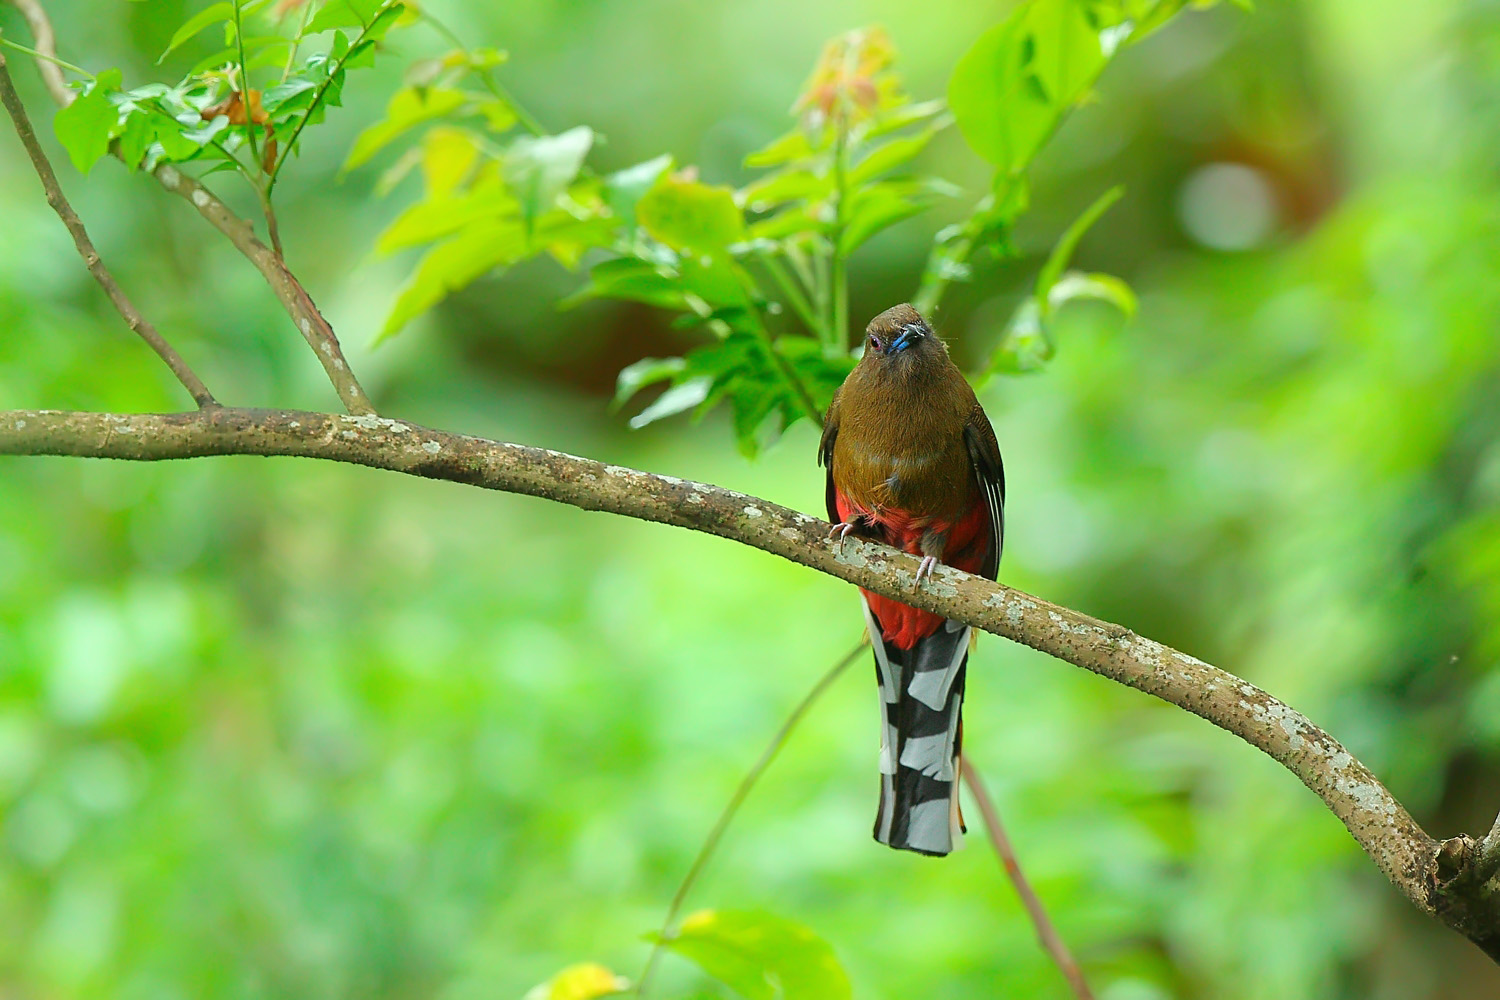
(282, 730)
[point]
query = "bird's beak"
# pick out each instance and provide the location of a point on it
(909, 333)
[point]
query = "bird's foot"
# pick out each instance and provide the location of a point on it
(924, 569)
(841, 529)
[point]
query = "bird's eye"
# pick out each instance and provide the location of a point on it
(875, 342)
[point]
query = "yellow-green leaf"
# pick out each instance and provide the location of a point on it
(690, 215)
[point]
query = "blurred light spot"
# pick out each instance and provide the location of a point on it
(20, 750)
(79, 932)
(90, 659)
(40, 831)
(1227, 206)
(103, 779)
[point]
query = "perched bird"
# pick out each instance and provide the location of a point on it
(912, 461)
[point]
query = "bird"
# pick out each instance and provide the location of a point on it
(912, 461)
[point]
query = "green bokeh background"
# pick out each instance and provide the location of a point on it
(270, 728)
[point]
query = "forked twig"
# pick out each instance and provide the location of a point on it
(86, 249)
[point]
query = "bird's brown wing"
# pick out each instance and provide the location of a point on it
(989, 473)
(825, 456)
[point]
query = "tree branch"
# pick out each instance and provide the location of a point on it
(86, 250)
(1407, 856)
(294, 298)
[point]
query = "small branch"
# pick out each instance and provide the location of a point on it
(1046, 933)
(294, 298)
(733, 806)
(46, 45)
(86, 250)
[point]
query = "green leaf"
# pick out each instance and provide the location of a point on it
(344, 14)
(678, 399)
(791, 184)
(408, 108)
(584, 981)
(632, 279)
(690, 215)
(1076, 286)
(222, 11)
(888, 156)
(761, 957)
(450, 266)
(1012, 88)
(1063, 252)
(879, 206)
(647, 371)
(537, 170)
(85, 127)
(437, 218)
(624, 189)
(448, 157)
(136, 137)
(787, 149)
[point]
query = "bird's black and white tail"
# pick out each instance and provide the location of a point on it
(921, 702)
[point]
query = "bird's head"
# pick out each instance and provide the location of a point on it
(900, 336)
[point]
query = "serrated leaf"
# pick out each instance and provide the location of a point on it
(85, 126)
(690, 215)
(407, 108)
(761, 956)
(213, 13)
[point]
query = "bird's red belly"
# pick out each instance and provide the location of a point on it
(967, 540)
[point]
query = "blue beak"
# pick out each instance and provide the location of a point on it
(909, 334)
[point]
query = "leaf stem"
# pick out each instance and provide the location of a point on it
(244, 88)
(706, 852)
(838, 334)
(45, 57)
(793, 292)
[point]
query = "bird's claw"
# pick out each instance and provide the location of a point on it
(841, 529)
(924, 569)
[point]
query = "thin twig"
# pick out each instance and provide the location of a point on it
(1045, 931)
(46, 46)
(736, 800)
(86, 250)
